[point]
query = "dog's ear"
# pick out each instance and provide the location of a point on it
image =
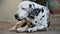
(42, 10)
(31, 6)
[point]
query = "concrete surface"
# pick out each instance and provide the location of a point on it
(46, 32)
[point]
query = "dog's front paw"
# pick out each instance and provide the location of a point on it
(32, 29)
(29, 30)
(23, 29)
(12, 29)
(20, 30)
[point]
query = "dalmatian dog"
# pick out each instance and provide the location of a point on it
(37, 14)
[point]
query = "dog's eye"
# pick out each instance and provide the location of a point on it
(23, 8)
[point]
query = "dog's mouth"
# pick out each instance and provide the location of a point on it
(19, 19)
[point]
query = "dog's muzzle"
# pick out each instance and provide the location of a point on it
(17, 17)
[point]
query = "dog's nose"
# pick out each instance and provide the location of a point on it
(16, 16)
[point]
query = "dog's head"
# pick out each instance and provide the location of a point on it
(24, 9)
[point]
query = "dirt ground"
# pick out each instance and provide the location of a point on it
(53, 29)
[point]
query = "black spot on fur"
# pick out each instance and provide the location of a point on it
(42, 17)
(35, 12)
(30, 5)
(31, 17)
(33, 5)
(42, 10)
(35, 21)
(48, 24)
(48, 17)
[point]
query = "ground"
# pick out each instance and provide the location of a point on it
(53, 29)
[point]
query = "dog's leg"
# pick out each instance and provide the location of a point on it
(37, 28)
(42, 28)
(33, 29)
(13, 28)
(23, 29)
